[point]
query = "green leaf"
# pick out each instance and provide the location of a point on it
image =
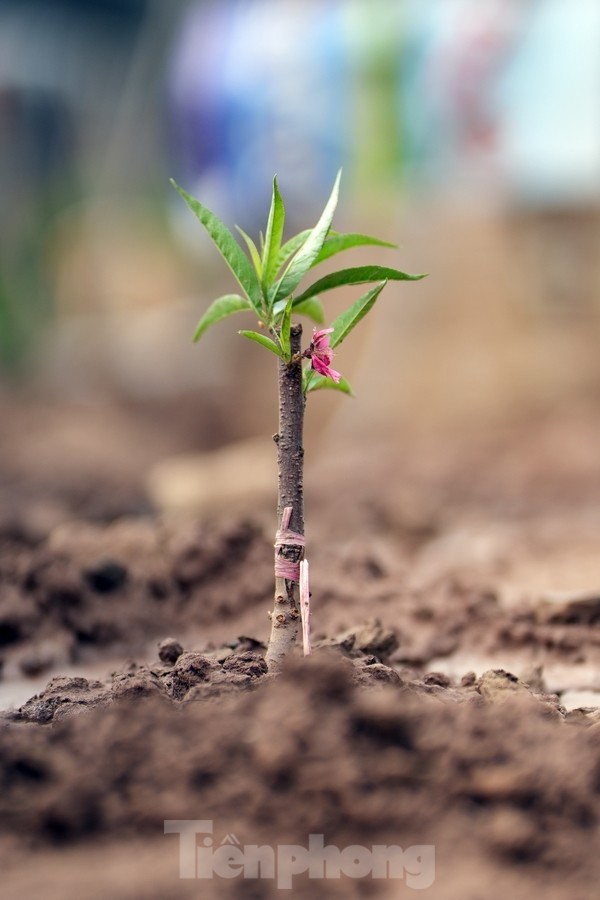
(284, 334)
(264, 340)
(254, 254)
(349, 319)
(339, 242)
(310, 249)
(272, 244)
(316, 382)
(290, 247)
(220, 309)
(227, 245)
(312, 308)
(357, 275)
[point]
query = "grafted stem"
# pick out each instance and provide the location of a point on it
(290, 457)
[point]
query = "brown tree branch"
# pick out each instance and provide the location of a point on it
(290, 457)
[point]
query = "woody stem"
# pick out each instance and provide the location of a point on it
(290, 457)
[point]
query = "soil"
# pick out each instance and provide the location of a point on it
(453, 698)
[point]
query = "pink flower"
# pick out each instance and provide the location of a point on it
(321, 354)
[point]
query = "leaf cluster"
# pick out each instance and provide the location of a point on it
(269, 277)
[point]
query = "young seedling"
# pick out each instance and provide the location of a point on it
(269, 280)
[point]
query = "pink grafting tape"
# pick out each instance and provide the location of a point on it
(285, 537)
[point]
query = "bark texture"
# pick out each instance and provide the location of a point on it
(290, 456)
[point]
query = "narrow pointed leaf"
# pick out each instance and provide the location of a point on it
(310, 249)
(264, 340)
(220, 309)
(349, 319)
(290, 247)
(254, 254)
(357, 275)
(313, 308)
(284, 334)
(340, 242)
(229, 248)
(284, 256)
(320, 382)
(273, 237)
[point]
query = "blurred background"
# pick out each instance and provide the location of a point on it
(469, 134)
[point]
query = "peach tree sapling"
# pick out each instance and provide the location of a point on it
(269, 279)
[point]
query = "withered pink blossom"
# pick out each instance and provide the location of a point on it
(321, 354)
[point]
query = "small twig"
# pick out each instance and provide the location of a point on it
(305, 607)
